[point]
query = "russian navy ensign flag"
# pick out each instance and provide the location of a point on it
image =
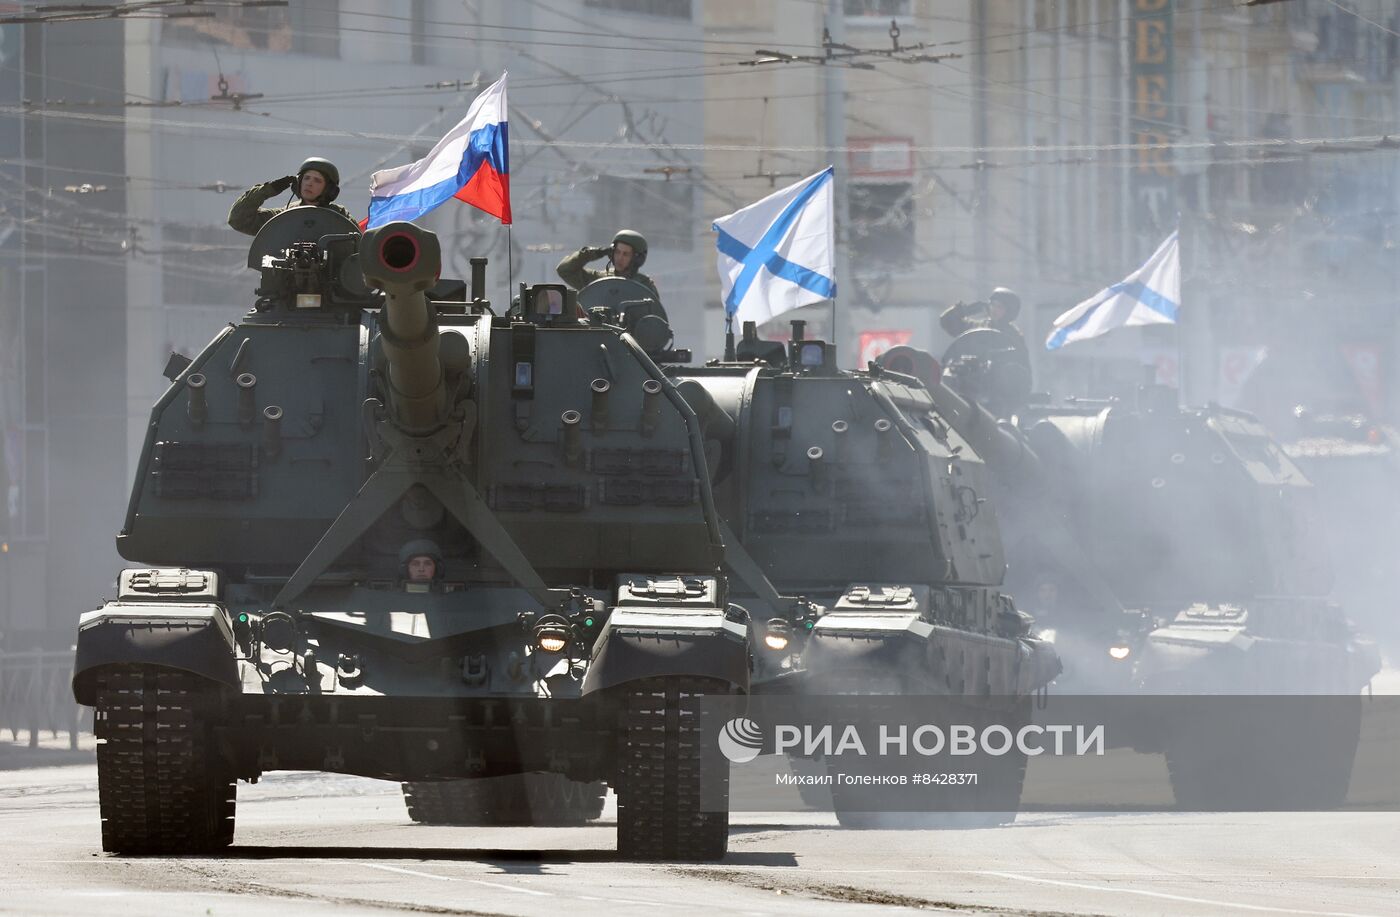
(471, 163)
(779, 253)
(1150, 295)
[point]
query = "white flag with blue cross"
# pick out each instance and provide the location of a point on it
(779, 253)
(1150, 295)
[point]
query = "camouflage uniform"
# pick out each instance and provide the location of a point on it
(248, 216)
(573, 271)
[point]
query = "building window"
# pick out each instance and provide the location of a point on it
(316, 27)
(882, 223)
(418, 29)
(247, 28)
(671, 9)
(877, 9)
(663, 211)
(308, 27)
(1088, 18)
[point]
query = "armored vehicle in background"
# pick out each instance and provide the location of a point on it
(858, 526)
(1326, 406)
(1166, 551)
(575, 624)
(1354, 462)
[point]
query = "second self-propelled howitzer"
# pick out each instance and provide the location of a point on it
(859, 528)
(397, 535)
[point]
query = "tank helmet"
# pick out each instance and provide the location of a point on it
(1010, 302)
(328, 171)
(420, 547)
(636, 241)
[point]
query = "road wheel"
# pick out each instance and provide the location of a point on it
(162, 787)
(1271, 753)
(993, 800)
(665, 748)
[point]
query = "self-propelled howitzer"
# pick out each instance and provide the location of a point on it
(849, 489)
(575, 619)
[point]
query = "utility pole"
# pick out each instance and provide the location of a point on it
(981, 242)
(835, 77)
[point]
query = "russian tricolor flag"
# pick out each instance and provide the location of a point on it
(471, 163)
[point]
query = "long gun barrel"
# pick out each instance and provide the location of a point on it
(404, 261)
(1004, 450)
(1023, 472)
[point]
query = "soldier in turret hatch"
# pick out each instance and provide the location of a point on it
(998, 312)
(317, 183)
(626, 255)
(420, 565)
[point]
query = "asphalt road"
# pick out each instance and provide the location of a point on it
(331, 844)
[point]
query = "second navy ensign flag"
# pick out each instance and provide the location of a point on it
(779, 253)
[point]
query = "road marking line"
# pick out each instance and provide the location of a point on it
(429, 875)
(647, 903)
(1169, 897)
(407, 872)
(511, 888)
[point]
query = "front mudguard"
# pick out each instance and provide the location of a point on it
(923, 657)
(655, 642)
(194, 638)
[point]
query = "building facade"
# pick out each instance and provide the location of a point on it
(1060, 142)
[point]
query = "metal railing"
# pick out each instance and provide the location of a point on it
(36, 696)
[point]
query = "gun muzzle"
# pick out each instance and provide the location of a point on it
(404, 261)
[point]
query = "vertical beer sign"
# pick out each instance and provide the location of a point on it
(1153, 120)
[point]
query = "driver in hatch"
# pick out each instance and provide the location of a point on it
(420, 565)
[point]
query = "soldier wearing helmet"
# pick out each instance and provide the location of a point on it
(317, 183)
(420, 564)
(626, 255)
(998, 312)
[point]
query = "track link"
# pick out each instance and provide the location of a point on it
(665, 748)
(161, 787)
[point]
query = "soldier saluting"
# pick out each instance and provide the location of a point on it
(625, 257)
(317, 183)
(998, 312)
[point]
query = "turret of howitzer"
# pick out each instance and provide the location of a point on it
(404, 261)
(956, 396)
(1024, 476)
(998, 443)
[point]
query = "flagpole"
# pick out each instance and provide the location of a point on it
(834, 115)
(1182, 394)
(510, 268)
